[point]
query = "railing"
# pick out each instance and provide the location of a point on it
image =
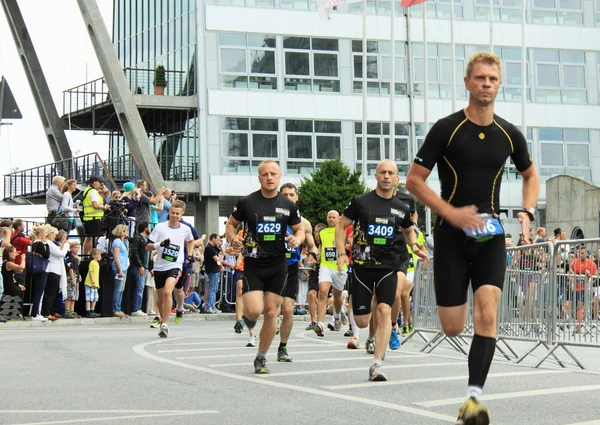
(36, 181)
(141, 81)
(127, 168)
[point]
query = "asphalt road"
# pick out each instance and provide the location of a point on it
(121, 373)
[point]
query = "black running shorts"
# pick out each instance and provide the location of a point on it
(291, 289)
(367, 282)
(313, 280)
(160, 277)
(459, 259)
(267, 275)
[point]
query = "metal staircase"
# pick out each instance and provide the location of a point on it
(33, 183)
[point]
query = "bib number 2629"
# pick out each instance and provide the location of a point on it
(268, 231)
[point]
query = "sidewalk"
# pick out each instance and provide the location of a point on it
(28, 323)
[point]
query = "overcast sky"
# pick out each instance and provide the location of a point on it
(65, 53)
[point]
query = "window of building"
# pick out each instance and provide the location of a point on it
(504, 10)
(311, 64)
(247, 61)
(257, 3)
(298, 4)
(597, 12)
(376, 7)
(563, 12)
(247, 142)
(440, 70)
(309, 143)
(510, 89)
(564, 151)
(379, 146)
(560, 76)
(379, 67)
(439, 9)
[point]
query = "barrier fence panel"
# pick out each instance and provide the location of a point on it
(524, 311)
(574, 297)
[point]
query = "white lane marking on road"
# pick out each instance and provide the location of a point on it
(363, 369)
(517, 394)
(193, 350)
(140, 349)
(253, 353)
(438, 379)
(111, 418)
(597, 422)
(229, 341)
(328, 359)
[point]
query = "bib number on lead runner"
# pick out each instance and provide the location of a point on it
(491, 227)
(268, 231)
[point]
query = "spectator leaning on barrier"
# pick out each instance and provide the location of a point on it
(54, 197)
(93, 211)
(138, 265)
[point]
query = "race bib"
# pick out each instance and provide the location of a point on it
(170, 253)
(268, 229)
(381, 231)
(491, 227)
(330, 253)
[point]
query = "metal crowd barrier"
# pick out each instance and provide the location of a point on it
(551, 298)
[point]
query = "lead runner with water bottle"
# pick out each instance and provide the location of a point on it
(470, 148)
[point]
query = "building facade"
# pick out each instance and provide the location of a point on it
(274, 81)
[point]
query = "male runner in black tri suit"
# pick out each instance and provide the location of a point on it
(266, 214)
(470, 148)
(382, 228)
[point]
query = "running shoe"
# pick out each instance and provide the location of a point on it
(473, 412)
(337, 325)
(164, 331)
(330, 327)
(319, 330)
(283, 356)
(405, 329)
(353, 343)
(311, 326)
(155, 323)
(278, 325)
(370, 346)
(344, 318)
(178, 316)
(375, 374)
(238, 327)
(260, 365)
(394, 340)
(349, 332)
(251, 341)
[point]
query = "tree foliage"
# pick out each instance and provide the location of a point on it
(331, 187)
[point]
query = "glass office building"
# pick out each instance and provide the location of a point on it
(275, 81)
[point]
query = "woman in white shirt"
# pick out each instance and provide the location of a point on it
(55, 269)
(67, 203)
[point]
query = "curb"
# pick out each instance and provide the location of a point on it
(84, 321)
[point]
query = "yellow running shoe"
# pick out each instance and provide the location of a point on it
(473, 412)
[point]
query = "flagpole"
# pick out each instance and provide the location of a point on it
(426, 105)
(523, 70)
(393, 81)
(453, 69)
(364, 90)
(492, 26)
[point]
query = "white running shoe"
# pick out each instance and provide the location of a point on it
(39, 318)
(138, 313)
(251, 341)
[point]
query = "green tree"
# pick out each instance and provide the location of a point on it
(331, 187)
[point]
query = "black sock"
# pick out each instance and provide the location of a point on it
(282, 344)
(480, 359)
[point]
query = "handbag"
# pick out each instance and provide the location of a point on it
(36, 263)
(61, 221)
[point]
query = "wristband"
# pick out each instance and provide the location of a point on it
(218, 263)
(530, 212)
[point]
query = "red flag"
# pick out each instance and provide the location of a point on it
(409, 3)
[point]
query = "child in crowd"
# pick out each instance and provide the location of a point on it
(73, 280)
(92, 283)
